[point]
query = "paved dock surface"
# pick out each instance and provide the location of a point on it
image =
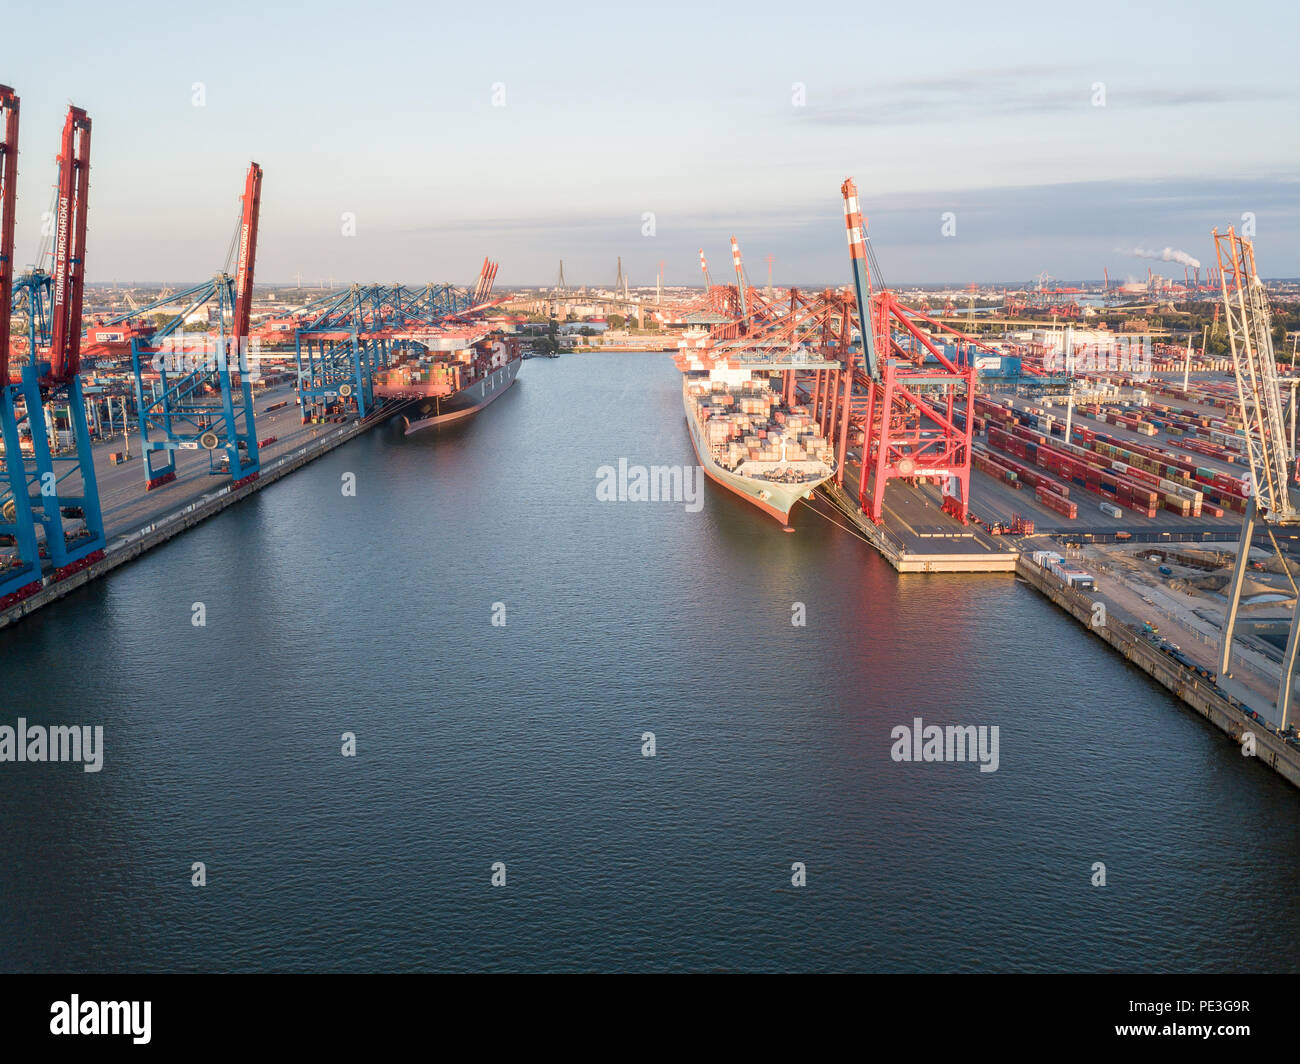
(136, 520)
(128, 507)
(1208, 699)
(917, 536)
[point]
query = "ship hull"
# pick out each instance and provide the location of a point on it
(468, 401)
(773, 498)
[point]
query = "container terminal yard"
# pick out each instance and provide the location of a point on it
(1138, 474)
(73, 504)
(959, 453)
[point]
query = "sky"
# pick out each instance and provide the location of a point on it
(404, 142)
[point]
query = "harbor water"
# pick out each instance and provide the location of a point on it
(499, 639)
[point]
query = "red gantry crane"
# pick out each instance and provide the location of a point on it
(70, 247)
(8, 202)
(904, 399)
(247, 259)
(914, 394)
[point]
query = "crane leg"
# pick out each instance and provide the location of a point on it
(1234, 586)
(1286, 685)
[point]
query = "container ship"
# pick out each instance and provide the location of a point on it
(749, 441)
(456, 375)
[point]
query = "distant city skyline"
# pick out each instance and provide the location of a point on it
(990, 147)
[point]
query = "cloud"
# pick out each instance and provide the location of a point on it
(1070, 229)
(1006, 92)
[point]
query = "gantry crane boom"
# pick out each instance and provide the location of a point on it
(740, 281)
(186, 398)
(247, 253)
(857, 233)
(8, 202)
(70, 246)
(1267, 444)
(21, 575)
(66, 474)
(914, 395)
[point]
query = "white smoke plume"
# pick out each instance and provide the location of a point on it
(1167, 255)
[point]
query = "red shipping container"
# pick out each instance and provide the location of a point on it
(1057, 503)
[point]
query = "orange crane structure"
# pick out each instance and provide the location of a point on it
(885, 384)
(916, 405)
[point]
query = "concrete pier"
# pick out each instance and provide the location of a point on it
(918, 537)
(126, 546)
(1197, 692)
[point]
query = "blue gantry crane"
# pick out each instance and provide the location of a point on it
(20, 569)
(348, 338)
(32, 299)
(52, 495)
(194, 391)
